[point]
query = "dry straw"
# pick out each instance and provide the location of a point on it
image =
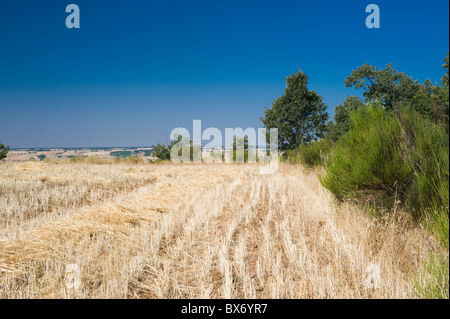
(199, 231)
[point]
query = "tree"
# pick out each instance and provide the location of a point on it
(387, 86)
(299, 114)
(431, 101)
(394, 89)
(162, 152)
(3, 151)
(341, 124)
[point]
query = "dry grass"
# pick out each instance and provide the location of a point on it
(35, 193)
(195, 231)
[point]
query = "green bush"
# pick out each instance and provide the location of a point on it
(426, 146)
(390, 159)
(162, 152)
(436, 202)
(367, 162)
(312, 154)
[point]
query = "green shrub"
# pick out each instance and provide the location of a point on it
(390, 159)
(367, 162)
(161, 152)
(398, 158)
(436, 206)
(427, 148)
(312, 154)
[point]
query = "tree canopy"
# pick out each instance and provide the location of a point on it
(394, 89)
(387, 86)
(162, 152)
(299, 114)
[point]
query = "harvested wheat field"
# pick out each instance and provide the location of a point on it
(194, 231)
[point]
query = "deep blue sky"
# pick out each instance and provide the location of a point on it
(137, 69)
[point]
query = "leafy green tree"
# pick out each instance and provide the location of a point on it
(387, 86)
(395, 90)
(184, 142)
(341, 123)
(42, 157)
(3, 151)
(162, 152)
(431, 101)
(299, 114)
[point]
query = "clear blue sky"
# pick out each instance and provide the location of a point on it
(137, 69)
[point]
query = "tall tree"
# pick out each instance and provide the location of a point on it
(431, 101)
(394, 89)
(162, 152)
(387, 86)
(299, 114)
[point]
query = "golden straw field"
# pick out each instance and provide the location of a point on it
(194, 231)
